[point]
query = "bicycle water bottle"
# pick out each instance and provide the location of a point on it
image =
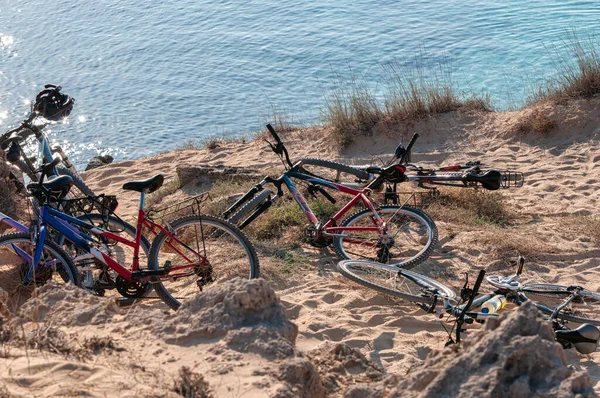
(494, 304)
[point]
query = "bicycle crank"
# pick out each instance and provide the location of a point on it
(132, 288)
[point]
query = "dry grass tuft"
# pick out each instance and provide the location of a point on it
(413, 93)
(535, 121)
(351, 112)
(507, 245)
(50, 339)
(96, 344)
(189, 384)
(466, 206)
(578, 72)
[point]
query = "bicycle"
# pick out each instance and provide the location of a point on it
(470, 174)
(186, 255)
(388, 234)
(50, 105)
(570, 303)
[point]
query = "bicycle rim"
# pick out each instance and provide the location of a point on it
(394, 281)
(411, 237)
(15, 252)
(585, 308)
(212, 249)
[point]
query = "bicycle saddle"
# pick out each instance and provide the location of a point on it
(490, 180)
(54, 189)
(584, 338)
(150, 185)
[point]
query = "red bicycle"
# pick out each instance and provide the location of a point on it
(187, 254)
(396, 234)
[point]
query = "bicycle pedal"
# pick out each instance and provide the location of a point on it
(125, 301)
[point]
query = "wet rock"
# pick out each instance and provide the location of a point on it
(99, 161)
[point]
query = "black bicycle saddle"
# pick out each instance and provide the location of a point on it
(150, 185)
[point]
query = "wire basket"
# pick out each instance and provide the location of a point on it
(103, 204)
(188, 206)
(512, 179)
(416, 199)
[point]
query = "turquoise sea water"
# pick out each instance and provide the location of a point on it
(149, 76)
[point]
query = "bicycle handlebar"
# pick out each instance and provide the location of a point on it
(279, 148)
(406, 155)
(274, 134)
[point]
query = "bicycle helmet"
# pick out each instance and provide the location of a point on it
(52, 104)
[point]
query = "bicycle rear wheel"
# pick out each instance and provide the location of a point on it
(334, 171)
(412, 236)
(16, 254)
(394, 281)
(584, 308)
(210, 250)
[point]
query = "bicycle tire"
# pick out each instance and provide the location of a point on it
(543, 294)
(77, 182)
(249, 206)
(65, 267)
(415, 214)
(223, 229)
(335, 166)
(350, 269)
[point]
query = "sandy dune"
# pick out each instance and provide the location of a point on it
(562, 187)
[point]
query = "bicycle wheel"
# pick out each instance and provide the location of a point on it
(333, 171)
(584, 308)
(250, 206)
(411, 237)
(16, 253)
(212, 249)
(79, 189)
(394, 281)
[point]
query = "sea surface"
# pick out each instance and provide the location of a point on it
(149, 76)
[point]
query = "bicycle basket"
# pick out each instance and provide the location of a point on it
(188, 206)
(511, 179)
(103, 204)
(416, 199)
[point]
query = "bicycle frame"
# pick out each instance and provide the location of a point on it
(64, 224)
(328, 228)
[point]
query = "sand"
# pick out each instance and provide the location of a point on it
(562, 188)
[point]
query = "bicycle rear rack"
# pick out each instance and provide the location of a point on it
(511, 179)
(181, 208)
(416, 199)
(104, 204)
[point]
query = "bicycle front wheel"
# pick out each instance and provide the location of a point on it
(200, 250)
(394, 281)
(410, 239)
(584, 308)
(16, 255)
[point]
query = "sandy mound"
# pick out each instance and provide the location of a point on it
(515, 356)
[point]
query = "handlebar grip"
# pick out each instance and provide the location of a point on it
(412, 142)
(478, 281)
(273, 133)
